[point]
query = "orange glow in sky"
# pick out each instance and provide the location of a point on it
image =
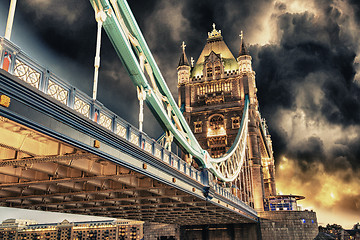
(333, 198)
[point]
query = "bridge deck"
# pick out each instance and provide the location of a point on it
(67, 179)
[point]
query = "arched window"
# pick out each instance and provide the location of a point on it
(217, 71)
(235, 122)
(198, 127)
(216, 126)
(216, 122)
(209, 72)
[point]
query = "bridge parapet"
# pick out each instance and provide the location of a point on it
(19, 64)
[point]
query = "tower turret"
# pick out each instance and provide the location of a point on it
(183, 71)
(183, 68)
(245, 70)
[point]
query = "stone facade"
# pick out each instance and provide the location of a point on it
(212, 96)
(294, 225)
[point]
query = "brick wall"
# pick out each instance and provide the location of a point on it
(294, 225)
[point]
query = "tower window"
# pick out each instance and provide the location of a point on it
(209, 72)
(198, 127)
(216, 122)
(216, 126)
(217, 70)
(235, 122)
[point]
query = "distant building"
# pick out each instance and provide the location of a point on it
(324, 236)
(338, 233)
(354, 234)
(17, 223)
(282, 202)
(91, 230)
(9, 228)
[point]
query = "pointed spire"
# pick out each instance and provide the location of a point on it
(183, 59)
(243, 50)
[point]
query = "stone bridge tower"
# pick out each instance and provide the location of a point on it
(212, 95)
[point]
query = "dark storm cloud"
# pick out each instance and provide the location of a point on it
(307, 47)
(309, 150)
(347, 151)
(306, 75)
(310, 98)
(313, 51)
(312, 70)
(68, 26)
(355, 4)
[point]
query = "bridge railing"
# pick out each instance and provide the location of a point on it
(16, 62)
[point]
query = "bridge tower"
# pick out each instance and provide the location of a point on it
(212, 94)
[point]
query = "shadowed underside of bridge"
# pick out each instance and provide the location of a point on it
(42, 172)
(66, 179)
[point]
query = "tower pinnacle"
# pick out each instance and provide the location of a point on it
(243, 50)
(183, 59)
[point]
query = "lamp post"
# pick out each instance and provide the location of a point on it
(100, 18)
(141, 96)
(10, 19)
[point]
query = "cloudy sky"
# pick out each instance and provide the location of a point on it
(306, 54)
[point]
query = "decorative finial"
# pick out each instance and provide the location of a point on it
(243, 50)
(214, 33)
(192, 61)
(183, 46)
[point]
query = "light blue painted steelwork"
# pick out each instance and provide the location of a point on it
(40, 112)
(35, 108)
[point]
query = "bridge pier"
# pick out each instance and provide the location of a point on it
(272, 225)
(240, 231)
(243, 231)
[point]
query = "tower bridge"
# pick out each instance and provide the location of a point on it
(63, 151)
